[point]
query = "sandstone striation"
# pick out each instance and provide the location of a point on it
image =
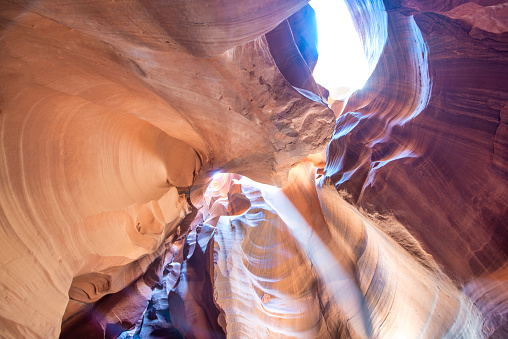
(456, 139)
(116, 116)
(441, 173)
(299, 270)
(105, 125)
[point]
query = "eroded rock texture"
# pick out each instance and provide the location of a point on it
(347, 277)
(114, 116)
(107, 117)
(443, 173)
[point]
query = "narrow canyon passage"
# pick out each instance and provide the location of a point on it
(178, 169)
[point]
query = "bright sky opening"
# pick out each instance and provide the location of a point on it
(342, 67)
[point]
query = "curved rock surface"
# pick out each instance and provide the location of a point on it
(105, 125)
(284, 269)
(440, 170)
(449, 178)
(115, 116)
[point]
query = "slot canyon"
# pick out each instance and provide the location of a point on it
(172, 169)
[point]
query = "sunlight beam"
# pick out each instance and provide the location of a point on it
(342, 67)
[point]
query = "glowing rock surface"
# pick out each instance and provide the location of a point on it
(114, 116)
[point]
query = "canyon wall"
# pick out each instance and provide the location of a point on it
(115, 116)
(439, 171)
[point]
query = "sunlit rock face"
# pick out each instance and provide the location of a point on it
(301, 270)
(458, 138)
(108, 115)
(440, 171)
(114, 116)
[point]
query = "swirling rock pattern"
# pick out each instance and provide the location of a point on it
(467, 98)
(442, 171)
(265, 285)
(277, 271)
(106, 121)
(114, 115)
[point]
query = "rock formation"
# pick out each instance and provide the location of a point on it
(115, 116)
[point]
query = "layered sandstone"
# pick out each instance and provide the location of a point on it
(108, 115)
(115, 115)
